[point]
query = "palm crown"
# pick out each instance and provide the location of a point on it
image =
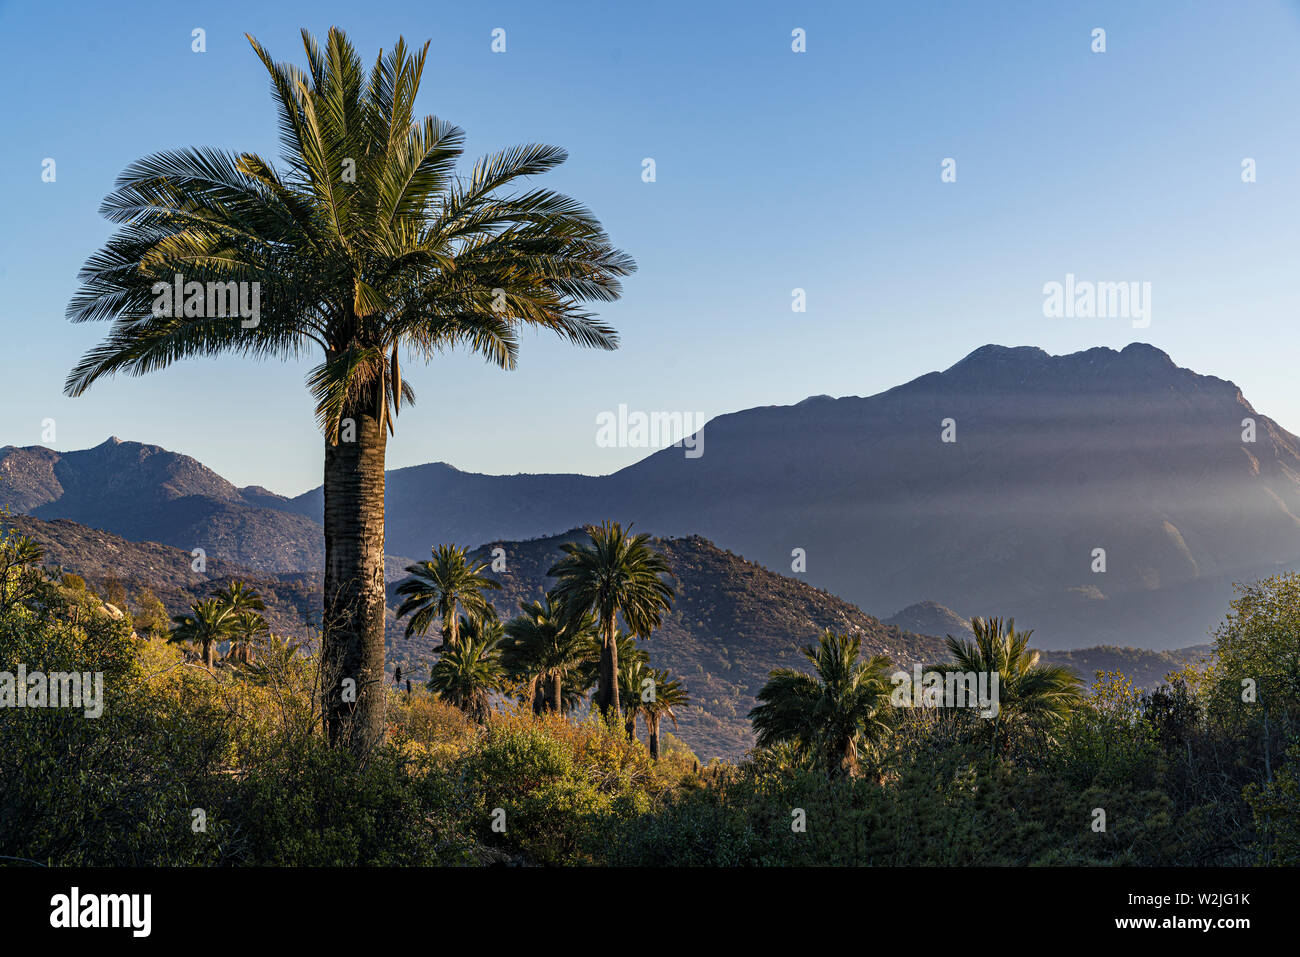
(210, 622)
(366, 242)
(1031, 696)
(833, 715)
(617, 574)
(442, 588)
(544, 647)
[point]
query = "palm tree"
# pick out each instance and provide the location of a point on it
(207, 625)
(441, 589)
(832, 716)
(544, 647)
(668, 694)
(617, 574)
(363, 246)
(468, 672)
(247, 626)
(1032, 697)
(248, 629)
(633, 671)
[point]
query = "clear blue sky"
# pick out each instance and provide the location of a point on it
(775, 170)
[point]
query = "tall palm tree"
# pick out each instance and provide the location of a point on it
(207, 625)
(247, 626)
(363, 246)
(669, 693)
(544, 647)
(467, 673)
(1032, 697)
(618, 574)
(833, 715)
(441, 589)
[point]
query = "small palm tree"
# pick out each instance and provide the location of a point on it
(247, 626)
(668, 694)
(441, 589)
(832, 716)
(1032, 697)
(364, 245)
(468, 672)
(207, 625)
(543, 647)
(248, 629)
(617, 574)
(633, 673)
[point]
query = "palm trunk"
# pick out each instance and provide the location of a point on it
(557, 697)
(630, 726)
(209, 656)
(539, 696)
(353, 641)
(652, 732)
(607, 694)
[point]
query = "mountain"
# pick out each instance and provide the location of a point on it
(1053, 458)
(146, 493)
(931, 618)
(1101, 498)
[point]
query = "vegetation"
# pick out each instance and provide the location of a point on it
(363, 246)
(617, 575)
(832, 718)
(230, 763)
(440, 590)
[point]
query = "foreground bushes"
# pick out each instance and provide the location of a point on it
(193, 766)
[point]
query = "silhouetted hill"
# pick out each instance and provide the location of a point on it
(146, 493)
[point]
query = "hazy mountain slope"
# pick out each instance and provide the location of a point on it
(1055, 456)
(146, 493)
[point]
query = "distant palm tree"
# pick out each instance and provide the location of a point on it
(440, 590)
(207, 625)
(248, 629)
(617, 574)
(633, 671)
(668, 694)
(832, 716)
(1032, 697)
(247, 626)
(366, 243)
(543, 647)
(467, 673)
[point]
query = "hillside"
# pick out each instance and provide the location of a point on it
(731, 623)
(732, 620)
